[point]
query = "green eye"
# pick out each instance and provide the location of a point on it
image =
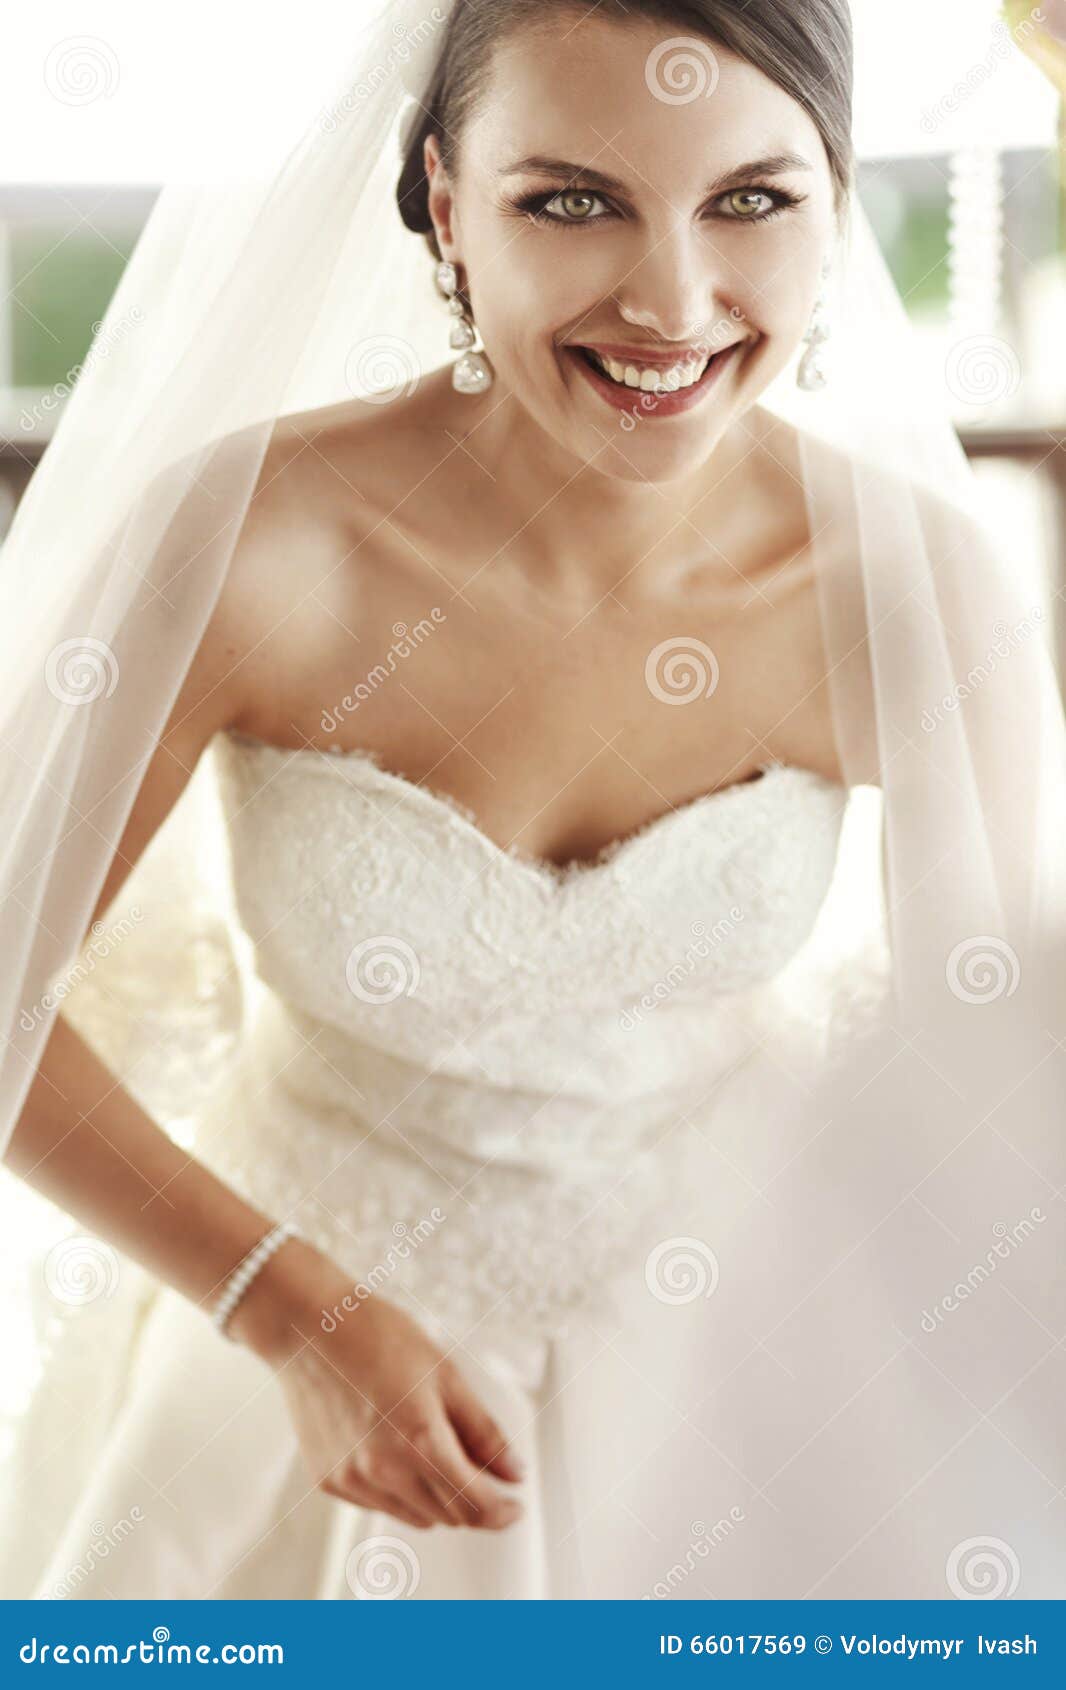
(749, 202)
(578, 205)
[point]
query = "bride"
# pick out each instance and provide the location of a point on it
(534, 689)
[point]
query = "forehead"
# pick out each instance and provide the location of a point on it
(637, 97)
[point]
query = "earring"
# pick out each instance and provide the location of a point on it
(812, 374)
(472, 373)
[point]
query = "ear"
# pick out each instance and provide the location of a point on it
(441, 199)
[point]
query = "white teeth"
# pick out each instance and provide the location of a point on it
(658, 380)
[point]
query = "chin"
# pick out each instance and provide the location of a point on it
(637, 458)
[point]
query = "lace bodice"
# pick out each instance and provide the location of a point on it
(466, 1074)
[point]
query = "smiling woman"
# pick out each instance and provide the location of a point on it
(645, 996)
(697, 236)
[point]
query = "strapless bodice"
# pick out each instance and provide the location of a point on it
(479, 1060)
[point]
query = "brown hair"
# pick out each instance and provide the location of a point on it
(803, 45)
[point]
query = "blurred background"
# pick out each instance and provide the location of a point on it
(959, 127)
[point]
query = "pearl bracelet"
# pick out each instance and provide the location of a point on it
(242, 1275)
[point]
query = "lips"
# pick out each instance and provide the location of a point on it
(643, 356)
(652, 406)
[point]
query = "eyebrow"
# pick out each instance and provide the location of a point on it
(775, 164)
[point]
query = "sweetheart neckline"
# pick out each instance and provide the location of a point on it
(561, 874)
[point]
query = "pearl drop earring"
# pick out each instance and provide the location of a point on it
(472, 373)
(812, 374)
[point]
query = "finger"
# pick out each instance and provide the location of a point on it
(433, 1503)
(375, 1500)
(428, 1473)
(481, 1435)
(455, 1509)
(417, 1514)
(446, 1461)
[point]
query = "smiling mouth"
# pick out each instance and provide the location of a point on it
(654, 391)
(648, 378)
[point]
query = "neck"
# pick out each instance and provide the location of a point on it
(576, 526)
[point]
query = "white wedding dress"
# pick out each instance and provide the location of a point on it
(488, 1087)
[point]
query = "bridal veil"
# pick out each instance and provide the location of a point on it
(917, 1047)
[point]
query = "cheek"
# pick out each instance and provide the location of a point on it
(774, 277)
(569, 268)
(780, 306)
(511, 273)
(537, 292)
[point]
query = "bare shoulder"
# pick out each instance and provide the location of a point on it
(321, 557)
(931, 512)
(820, 637)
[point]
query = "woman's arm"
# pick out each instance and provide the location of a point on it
(81, 1139)
(83, 1142)
(384, 1419)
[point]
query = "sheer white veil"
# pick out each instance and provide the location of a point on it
(909, 1062)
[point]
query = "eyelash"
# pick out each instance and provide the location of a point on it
(533, 206)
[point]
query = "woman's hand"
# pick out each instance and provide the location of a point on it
(384, 1418)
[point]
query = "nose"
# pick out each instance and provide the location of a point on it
(672, 289)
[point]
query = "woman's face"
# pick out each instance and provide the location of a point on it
(686, 214)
